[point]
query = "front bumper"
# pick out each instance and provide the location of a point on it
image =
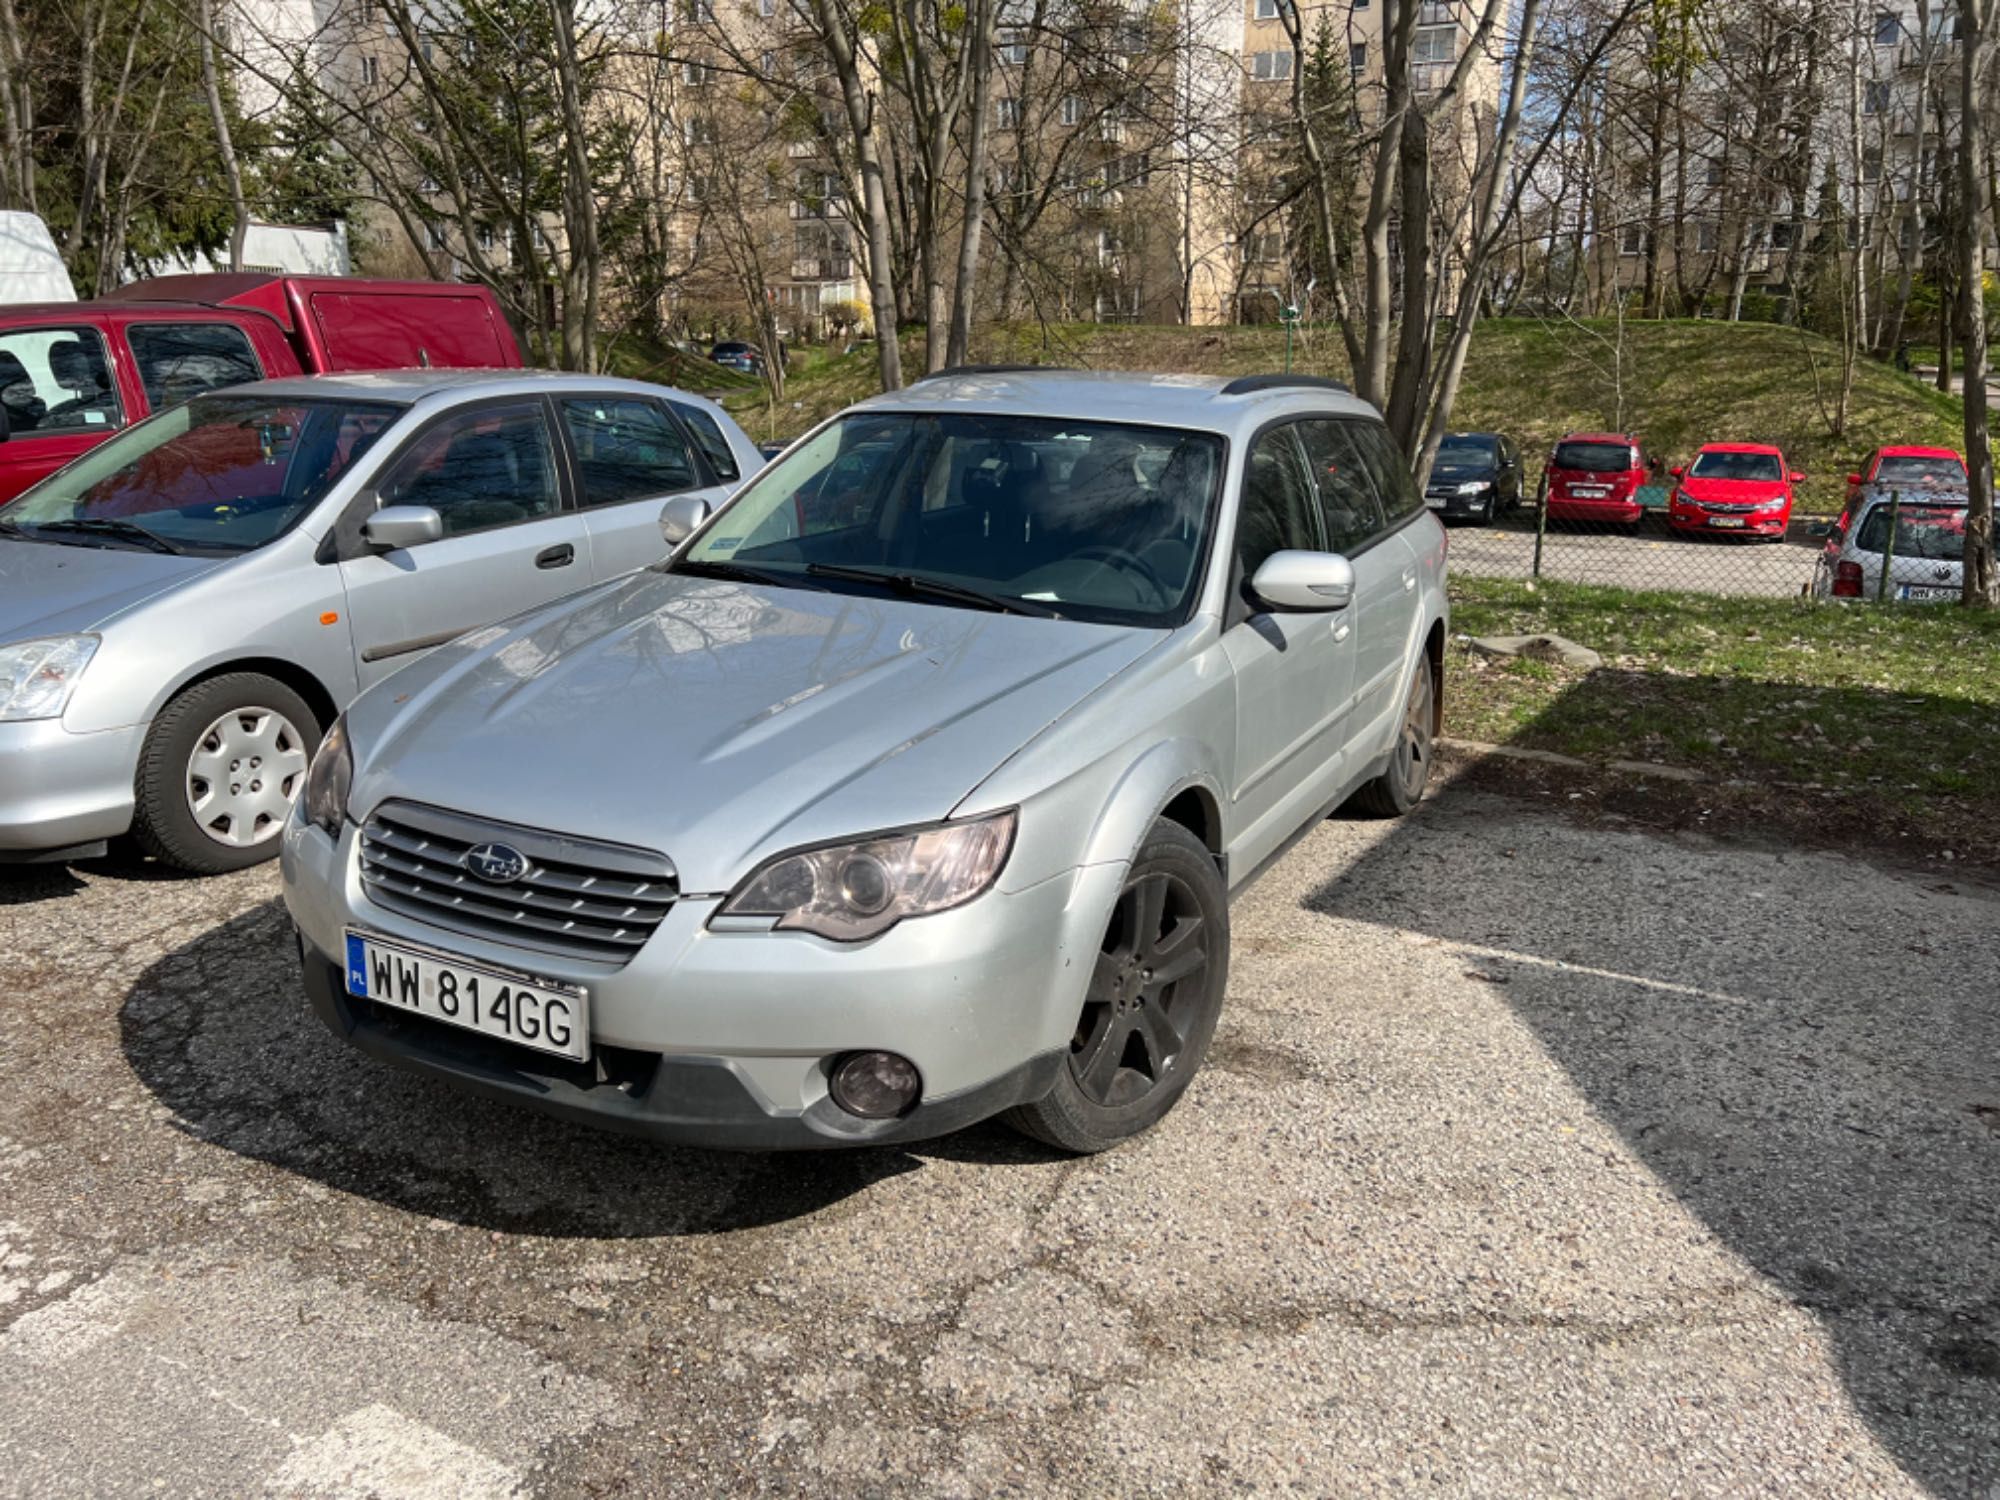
(59, 790)
(724, 1038)
(1727, 523)
(1456, 505)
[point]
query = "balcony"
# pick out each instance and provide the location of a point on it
(823, 268)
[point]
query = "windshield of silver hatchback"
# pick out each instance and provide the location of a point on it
(1029, 515)
(221, 474)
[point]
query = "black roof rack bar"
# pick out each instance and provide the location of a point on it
(956, 370)
(1250, 385)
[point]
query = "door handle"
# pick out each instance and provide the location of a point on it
(1340, 631)
(1409, 582)
(556, 557)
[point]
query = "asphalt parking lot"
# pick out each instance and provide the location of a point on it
(1535, 1157)
(1650, 558)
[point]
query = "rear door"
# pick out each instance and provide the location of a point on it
(1294, 671)
(512, 540)
(1388, 593)
(61, 396)
(629, 457)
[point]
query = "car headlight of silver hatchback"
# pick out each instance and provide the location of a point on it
(851, 891)
(328, 781)
(37, 677)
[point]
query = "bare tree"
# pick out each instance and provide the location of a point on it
(1975, 18)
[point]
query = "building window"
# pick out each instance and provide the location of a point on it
(1875, 97)
(1871, 164)
(366, 10)
(1706, 236)
(1888, 28)
(699, 130)
(1072, 109)
(486, 237)
(1271, 67)
(1007, 113)
(434, 236)
(1263, 248)
(1434, 44)
(767, 64)
(1632, 241)
(1712, 171)
(698, 10)
(1781, 234)
(1436, 13)
(1111, 126)
(1357, 58)
(767, 8)
(695, 75)
(1014, 47)
(370, 73)
(1270, 10)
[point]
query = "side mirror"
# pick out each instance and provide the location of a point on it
(1678, 472)
(1854, 479)
(1304, 581)
(1797, 477)
(394, 527)
(681, 516)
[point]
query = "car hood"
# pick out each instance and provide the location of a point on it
(1734, 491)
(1461, 473)
(50, 589)
(720, 723)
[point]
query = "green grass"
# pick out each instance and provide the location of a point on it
(1896, 708)
(1683, 383)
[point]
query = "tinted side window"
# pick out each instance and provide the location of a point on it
(1276, 513)
(1400, 499)
(56, 380)
(178, 361)
(708, 437)
(626, 450)
(480, 469)
(1348, 502)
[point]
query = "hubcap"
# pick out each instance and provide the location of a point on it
(246, 768)
(1145, 993)
(1413, 745)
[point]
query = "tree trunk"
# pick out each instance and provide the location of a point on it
(225, 148)
(1975, 198)
(971, 231)
(874, 191)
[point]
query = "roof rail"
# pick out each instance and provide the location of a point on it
(957, 370)
(1250, 385)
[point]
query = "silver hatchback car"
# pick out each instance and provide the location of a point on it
(1903, 543)
(912, 790)
(185, 608)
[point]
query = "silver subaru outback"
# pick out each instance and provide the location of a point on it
(912, 789)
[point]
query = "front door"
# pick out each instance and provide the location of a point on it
(511, 540)
(60, 398)
(1294, 671)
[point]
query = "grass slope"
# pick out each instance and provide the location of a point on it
(1680, 383)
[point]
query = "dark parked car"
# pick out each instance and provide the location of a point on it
(748, 359)
(1477, 475)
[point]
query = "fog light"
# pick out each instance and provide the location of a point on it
(874, 1085)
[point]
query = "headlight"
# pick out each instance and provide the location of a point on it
(37, 677)
(329, 780)
(1682, 497)
(1777, 504)
(1475, 487)
(852, 891)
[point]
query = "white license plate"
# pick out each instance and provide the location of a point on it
(1727, 521)
(513, 1007)
(1435, 502)
(1925, 591)
(1587, 492)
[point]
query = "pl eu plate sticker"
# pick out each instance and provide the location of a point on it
(357, 966)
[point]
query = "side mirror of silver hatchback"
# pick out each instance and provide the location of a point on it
(1304, 581)
(396, 526)
(681, 516)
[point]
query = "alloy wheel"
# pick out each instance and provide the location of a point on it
(1145, 991)
(246, 769)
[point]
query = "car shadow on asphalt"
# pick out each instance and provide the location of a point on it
(220, 1032)
(26, 884)
(1831, 1120)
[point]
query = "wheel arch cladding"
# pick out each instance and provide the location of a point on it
(1175, 779)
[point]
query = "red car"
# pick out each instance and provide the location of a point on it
(1908, 465)
(74, 373)
(1595, 476)
(1734, 487)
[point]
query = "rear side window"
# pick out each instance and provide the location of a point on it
(1276, 513)
(1400, 499)
(179, 361)
(489, 467)
(55, 380)
(1593, 458)
(626, 450)
(708, 437)
(1348, 503)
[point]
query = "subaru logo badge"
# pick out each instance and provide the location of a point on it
(496, 863)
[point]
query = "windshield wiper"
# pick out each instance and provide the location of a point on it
(917, 587)
(104, 526)
(741, 573)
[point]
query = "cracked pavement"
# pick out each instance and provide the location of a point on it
(1533, 1156)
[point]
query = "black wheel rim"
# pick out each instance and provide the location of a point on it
(1413, 745)
(1146, 993)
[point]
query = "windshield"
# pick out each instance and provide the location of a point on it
(1936, 532)
(1764, 466)
(1909, 466)
(1593, 458)
(1463, 448)
(1087, 520)
(219, 474)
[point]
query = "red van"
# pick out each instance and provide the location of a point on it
(73, 373)
(1595, 476)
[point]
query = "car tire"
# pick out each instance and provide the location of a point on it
(1139, 1038)
(1401, 785)
(1489, 510)
(243, 722)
